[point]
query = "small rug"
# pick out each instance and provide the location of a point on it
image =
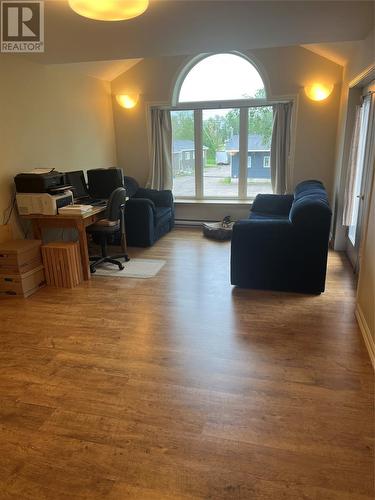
(135, 268)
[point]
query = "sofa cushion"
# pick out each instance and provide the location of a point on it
(310, 204)
(308, 186)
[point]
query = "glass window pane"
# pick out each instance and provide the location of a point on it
(358, 183)
(259, 150)
(222, 77)
(220, 152)
(183, 157)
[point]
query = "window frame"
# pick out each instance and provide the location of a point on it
(243, 105)
(172, 104)
(269, 161)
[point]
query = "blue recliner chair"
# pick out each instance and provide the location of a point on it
(284, 243)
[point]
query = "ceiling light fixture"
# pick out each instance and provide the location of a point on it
(318, 91)
(109, 10)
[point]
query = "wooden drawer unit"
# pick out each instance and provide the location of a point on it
(22, 285)
(62, 263)
(19, 256)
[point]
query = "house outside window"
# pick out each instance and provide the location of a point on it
(226, 145)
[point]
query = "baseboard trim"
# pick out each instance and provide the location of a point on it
(365, 330)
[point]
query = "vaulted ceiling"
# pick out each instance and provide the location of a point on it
(185, 27)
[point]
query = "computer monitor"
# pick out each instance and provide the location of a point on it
(77, 180)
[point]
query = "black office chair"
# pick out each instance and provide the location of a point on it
(114, 222)
(103, 181)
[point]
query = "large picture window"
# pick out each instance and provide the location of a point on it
(221, 151)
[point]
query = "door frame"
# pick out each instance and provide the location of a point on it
(353, 251)
(354, 255)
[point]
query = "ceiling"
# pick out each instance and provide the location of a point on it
(340, 52)
(184, 27)
(103, 70)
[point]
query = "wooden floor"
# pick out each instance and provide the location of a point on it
(182, 387)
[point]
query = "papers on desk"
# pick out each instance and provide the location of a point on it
(75, 209)
(40, 171)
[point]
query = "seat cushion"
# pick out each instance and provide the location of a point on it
(104, 226)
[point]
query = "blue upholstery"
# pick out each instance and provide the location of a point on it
(284, 243)
(149, 214)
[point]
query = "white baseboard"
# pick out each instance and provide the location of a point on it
(365, 330)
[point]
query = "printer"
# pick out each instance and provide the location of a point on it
(43, 203)
(40, 181)
(42, 191)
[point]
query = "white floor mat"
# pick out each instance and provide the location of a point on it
(135, 268)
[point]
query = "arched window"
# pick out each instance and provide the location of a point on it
(222, 77)
(221, 130)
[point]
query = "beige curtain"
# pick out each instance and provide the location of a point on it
(161, 150)
(352, 171)
(280, 146)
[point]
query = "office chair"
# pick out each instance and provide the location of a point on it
(103, 181)
(113, 223)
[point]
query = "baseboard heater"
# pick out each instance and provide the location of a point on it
(190, 223)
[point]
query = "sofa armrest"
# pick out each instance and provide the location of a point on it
(159, 198)
(260, 251)
(273, 204)
(141, 204)
(261, 231)
(140, 218)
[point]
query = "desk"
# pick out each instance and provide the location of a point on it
(78, 222)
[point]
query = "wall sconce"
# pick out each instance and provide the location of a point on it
(318, 91)
(109, 10)
(127, 101)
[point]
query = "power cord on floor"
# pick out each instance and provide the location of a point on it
(7, 214)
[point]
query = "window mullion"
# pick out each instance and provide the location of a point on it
(243, 139)
(198, 140)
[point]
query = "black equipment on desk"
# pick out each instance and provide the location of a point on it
(103, 181)
(48, 182)
(78, 185)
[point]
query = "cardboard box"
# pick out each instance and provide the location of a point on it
(19, 256)
(22, 285)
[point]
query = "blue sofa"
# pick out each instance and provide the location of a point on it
(284, 243)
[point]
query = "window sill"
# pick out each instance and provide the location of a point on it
(187, 201)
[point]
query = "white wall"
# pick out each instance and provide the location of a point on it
(51, 117)
(288, 70)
